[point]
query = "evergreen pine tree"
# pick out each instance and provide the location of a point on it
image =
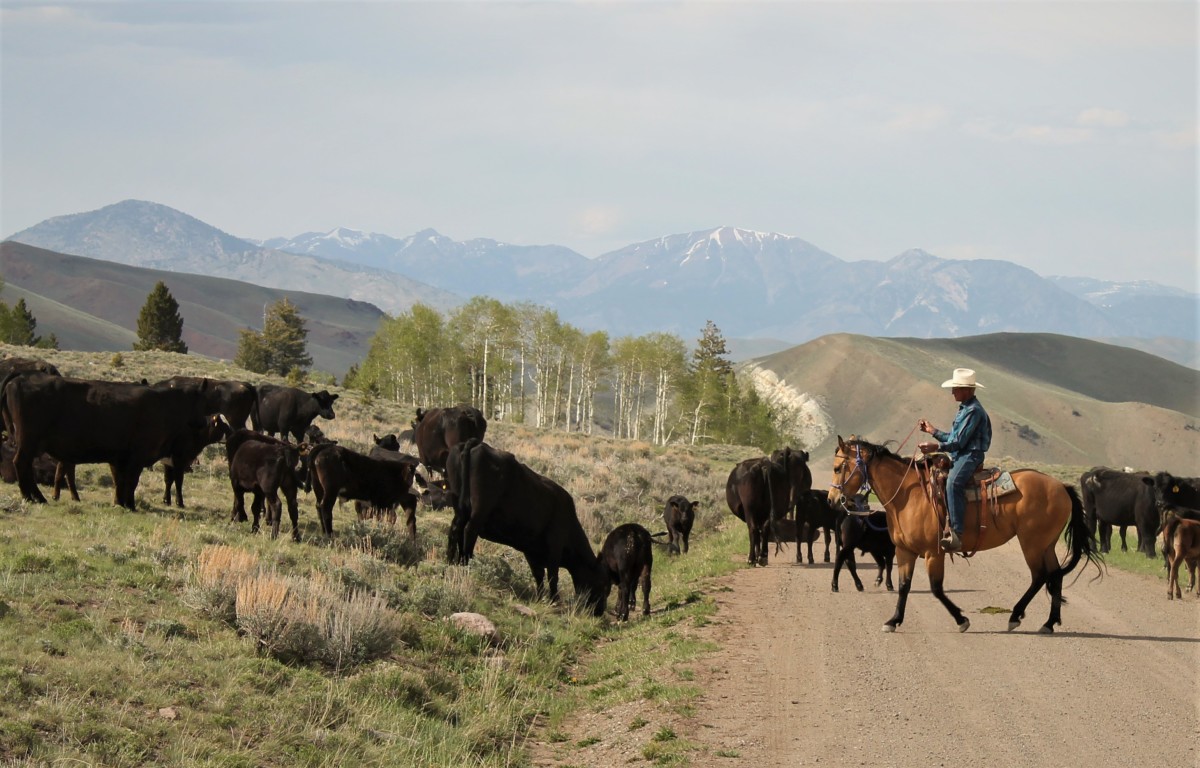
(286, 339)
(252, 353)
(160, 326)
(19, 326)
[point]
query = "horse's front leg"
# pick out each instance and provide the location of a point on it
(935, 566)
(905, 561)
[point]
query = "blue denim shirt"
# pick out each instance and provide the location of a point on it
(971, 431)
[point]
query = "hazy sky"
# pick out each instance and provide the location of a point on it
(1061, 136)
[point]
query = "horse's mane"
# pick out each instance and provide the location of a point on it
(876, 449)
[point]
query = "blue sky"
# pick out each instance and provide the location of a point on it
(1060, 136)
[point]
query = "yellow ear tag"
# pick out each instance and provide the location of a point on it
(1175, 489)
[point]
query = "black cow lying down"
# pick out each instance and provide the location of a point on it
(339, 472)
(264, 467)
(47, 471)
(502, 500)
(627, 558)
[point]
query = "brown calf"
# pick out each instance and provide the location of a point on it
(1183, 536)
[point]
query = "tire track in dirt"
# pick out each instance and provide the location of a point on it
(806, 676)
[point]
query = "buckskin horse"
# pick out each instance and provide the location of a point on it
(1035, 514)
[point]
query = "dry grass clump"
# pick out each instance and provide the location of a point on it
(214, 580)
(314, 619)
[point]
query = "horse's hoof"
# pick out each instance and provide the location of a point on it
(1046, 629)
(889, 628)
(962, 627)
(858, 587)
(835, 589)
(1013, 625)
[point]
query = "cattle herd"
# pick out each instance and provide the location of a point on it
(52, 423)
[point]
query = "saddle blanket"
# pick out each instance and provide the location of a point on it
(1002, 485)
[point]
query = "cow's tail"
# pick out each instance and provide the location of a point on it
(308, 465)
(7, 417)
(1079, 540)
(255, 419)
(774, 520)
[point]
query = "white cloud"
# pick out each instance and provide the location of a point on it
(919, 118)
(1104, 118)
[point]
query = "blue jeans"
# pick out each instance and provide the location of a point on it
(956, 487)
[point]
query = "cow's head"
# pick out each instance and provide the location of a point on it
(387, 442)
(324, 403)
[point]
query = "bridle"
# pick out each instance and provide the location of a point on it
(861, 465)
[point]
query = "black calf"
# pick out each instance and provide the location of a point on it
(626, 558)
(868, 534)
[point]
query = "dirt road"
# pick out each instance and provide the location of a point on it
(806, 676)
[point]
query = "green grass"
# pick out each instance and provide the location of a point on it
(111, 654)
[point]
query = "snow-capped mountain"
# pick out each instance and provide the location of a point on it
(751, 284)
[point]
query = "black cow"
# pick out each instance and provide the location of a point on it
(175, 467)
(263, 466)
(435, 431)
(502, 500)
(627, 558)
(867, 533)
(814, 513)
(288, 410)
(757, 491)
(795, 464)
(679, 514)
(408, 502)
(338, 472)
(25, 365)
(47, 470)
(127, 426)
(1112, 497)
(235, 400)
(1178, 491)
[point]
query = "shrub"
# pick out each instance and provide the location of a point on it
(215, 578)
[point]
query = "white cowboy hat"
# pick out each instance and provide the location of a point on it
(963, 377)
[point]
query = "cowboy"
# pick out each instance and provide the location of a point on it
(968, 439)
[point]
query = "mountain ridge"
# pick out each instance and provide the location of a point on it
(750, 284)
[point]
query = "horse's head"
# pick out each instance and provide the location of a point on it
(849, 471)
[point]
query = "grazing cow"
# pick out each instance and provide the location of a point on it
(234, 400)
(814, 513)
(1181, 537)
(338, 472)
(175, 467)
(25, 365)
(679, 514)
(47, 470)
(288, 410)
(128, 426)
(263, 466)
(869, 534)
(627, 558)
(757, 491)
(1112, 497)
(433, 493)
(502, 500)
(795, 464)
(436, 430)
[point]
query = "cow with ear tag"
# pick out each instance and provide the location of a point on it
(214, 430)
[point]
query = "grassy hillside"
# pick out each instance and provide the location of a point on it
(93, 305)
(176, 638)
(1052, 399)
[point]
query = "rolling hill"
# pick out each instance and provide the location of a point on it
(93, 305)
(1054, 399)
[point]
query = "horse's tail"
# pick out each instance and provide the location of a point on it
(1079, 541)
